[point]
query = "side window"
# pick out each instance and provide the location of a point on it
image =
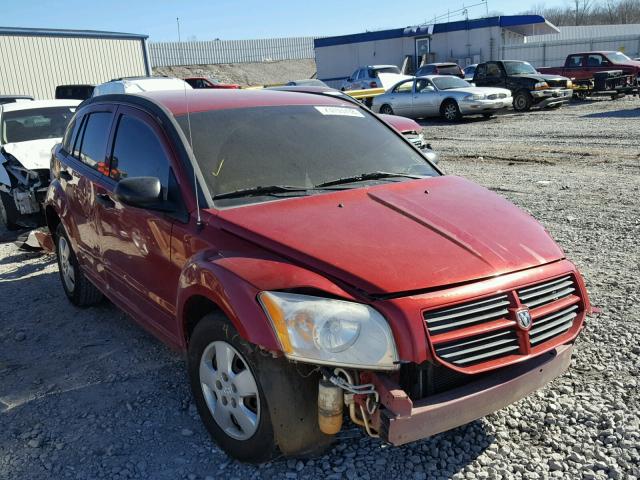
(423, 83)
(481, 72)
(404, 87)
(574, 61)
(94, 140)
(70, 134)
(137, 152)
(493, 70)
(594, 60)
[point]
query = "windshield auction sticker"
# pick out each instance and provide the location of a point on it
(340, 111)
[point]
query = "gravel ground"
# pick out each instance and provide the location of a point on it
(88, 394)
(264, 73)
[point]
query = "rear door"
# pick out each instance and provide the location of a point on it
(82, 174)
(135, 242)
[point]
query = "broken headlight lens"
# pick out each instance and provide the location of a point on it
(330, 332)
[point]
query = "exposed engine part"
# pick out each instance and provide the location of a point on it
(23, 185)
(342, 379)
(330, 406)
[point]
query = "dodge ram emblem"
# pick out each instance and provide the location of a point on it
(524, 319)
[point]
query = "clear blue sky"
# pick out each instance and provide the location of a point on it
(241, 19)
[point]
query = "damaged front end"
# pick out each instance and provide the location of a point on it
(23, 191)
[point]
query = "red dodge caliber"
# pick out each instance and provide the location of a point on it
(311, 263)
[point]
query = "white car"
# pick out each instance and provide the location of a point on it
(368, 77)
(440, 95)
(28, 132)
(140, 84)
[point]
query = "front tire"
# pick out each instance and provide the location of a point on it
(79, 290)
(450, 111)
(386, 109)
(253, 405)
(522, 101)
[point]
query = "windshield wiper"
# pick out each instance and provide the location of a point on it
(366, 176)
(257, 191)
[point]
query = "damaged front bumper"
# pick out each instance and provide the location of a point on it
(399, 420)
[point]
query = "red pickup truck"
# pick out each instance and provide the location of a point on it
(583, 66)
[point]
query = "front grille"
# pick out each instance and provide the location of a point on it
(429, 378)
(548, 292)
(480, 348)
(557, 83)
(473, 333)
(495, 96)
(466, 315)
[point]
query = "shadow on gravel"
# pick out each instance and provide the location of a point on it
(26, 269)
(627, 113)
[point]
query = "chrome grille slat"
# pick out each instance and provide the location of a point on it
(552, 333)
(550, 298)
(471, 342)
(548, 289)
(524, 291)
(487, 316)
(547, 318)
(468, 308)
(546, 326)
(484, 346)
(489, 354)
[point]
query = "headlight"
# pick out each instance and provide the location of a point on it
(541, 85)
(476, 96)
(569, 84)
(330, 332)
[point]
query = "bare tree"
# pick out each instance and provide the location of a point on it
(591, 12)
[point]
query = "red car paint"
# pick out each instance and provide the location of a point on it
(404, 248)
(204, 82)
(579, 67)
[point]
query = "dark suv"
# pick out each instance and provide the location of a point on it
(310, 262)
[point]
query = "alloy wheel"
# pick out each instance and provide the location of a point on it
(68, 273)
(230, 390)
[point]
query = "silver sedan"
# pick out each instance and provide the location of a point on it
(440, 95)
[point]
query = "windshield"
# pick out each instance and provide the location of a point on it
(387, 70)
(618, 57)
(35, 123)
(299, 146)
(447, 83)
(519, 68)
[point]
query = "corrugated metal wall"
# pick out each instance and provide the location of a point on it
(35, 65)
(588, 32)
(551, 54)
(166, 54)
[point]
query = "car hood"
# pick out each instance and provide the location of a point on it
(483, 90)
(539, 77)
(401, 124)
(34, 154)
(399, 237)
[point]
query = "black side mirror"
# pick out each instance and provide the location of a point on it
(140, 192)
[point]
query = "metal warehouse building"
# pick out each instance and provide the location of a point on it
(35, 61)
(464, 42)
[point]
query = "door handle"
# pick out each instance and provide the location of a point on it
(105, 200)
(66, 176)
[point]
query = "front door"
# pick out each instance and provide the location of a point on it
(134, 242)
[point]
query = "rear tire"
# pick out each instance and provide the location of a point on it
(79, 290)
(450, 111)
(8, 211)
(283, 401)
(522, 101)
(386, 109)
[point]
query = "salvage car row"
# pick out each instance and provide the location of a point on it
(445, 90)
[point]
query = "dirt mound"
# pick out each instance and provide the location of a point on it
(263, 73)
